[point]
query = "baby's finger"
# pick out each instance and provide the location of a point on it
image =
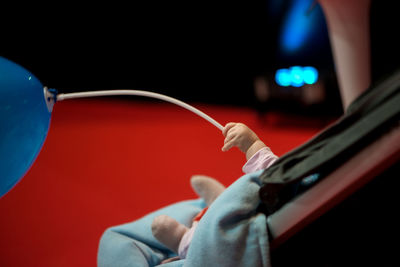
(229, 137)
(229, 142)
(227, 146)
(227, 127)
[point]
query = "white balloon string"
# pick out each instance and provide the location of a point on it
(172, 100)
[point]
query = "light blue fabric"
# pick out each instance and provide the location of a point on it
(230, 234)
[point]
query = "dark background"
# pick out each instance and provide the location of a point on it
(203, 51)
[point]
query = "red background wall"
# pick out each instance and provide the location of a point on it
(106, 162)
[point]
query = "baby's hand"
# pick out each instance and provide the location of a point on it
(238, 134)
(241, 136)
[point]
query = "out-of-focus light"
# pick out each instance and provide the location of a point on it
(297, 26)
(296, 76)
(310, 75)
(282, 77)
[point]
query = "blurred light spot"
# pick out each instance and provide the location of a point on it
(298, 26)
(296, 76)
(282, 77)
(310, 75)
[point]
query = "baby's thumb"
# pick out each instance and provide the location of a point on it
(227, 145)
(225, 148)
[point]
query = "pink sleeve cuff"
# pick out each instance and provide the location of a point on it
(262, 159)
(186, 240)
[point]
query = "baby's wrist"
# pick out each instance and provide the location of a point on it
(256, 146)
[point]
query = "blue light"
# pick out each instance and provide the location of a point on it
(303, 27)
(310, 75)
(297, 27)
(296, 76)
(282, 77)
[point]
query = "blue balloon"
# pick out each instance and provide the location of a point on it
(24, 122)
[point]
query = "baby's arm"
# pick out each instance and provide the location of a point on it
(258, 155)
(238, 134)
